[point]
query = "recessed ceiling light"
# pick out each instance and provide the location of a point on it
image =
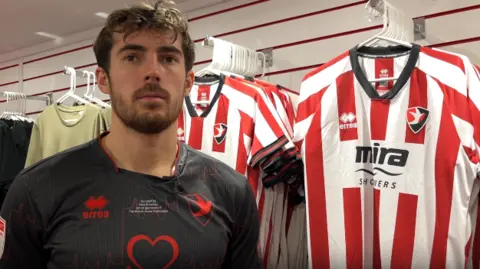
(57, 39)
(52, 36)
(102, 15)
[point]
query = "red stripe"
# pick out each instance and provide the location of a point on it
(379, 119)
(317, 207)
(449, 12)
(309, 105)
(448, 145)
(226, 10)
(404, 237)
(9, 83)
(476, 241)
(458, 104)
(8, 67)
(455, 42)
(246, 128)
(290, 70)
(57, 54)
(223, 105)
(418, 98)
(326, 65)
(346, 106)
(446, 57)
(195, 135)
(384, 67)
(58, 72)
(377, 258)
(352, 206)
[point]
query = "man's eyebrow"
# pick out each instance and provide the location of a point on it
(132, 47)
(167, 49)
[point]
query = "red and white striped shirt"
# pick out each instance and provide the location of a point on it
(391, 180)
(278, 256)
(241, 128)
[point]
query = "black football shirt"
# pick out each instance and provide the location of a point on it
(77, 209)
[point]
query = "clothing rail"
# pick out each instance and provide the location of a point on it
(80, 74)
(46, 98)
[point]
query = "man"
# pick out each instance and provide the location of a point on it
(134, 198)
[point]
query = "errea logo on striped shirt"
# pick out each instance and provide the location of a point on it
(348, 121)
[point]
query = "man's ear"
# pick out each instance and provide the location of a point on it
(102, 80)
(189, 82)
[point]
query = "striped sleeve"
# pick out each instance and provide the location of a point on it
(312, 88)
(270, 146)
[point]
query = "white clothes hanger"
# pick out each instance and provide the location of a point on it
(384, 34)
(19, 98)
(89, 94)
(7, 113)
(24, 107)
(94, 87)
(73, 84)
(390, 32)
(210, 68)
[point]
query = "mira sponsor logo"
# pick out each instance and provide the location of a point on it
(384, 160)
(381, 155)
(348, 121)
(96, 208)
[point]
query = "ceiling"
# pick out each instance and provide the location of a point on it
(21, 19)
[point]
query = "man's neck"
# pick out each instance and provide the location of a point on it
(147, 154)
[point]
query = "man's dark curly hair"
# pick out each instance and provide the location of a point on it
(160, 16)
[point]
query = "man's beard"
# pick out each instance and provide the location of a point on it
(147, 122)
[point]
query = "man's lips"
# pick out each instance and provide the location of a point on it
(151, 96)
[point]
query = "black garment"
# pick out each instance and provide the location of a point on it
(78, 210)
(14, 141)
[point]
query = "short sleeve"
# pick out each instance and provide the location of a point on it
(22, 233)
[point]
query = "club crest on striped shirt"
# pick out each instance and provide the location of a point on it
(220, 132)
(417, 118)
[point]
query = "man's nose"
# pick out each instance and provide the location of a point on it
(152, 77)
(154, 70)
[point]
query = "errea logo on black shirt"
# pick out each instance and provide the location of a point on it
(96, 208)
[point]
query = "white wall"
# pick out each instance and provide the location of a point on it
(303, 35)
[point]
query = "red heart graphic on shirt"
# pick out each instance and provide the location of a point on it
(141, 237)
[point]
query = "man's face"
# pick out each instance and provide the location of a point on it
(147, 80)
